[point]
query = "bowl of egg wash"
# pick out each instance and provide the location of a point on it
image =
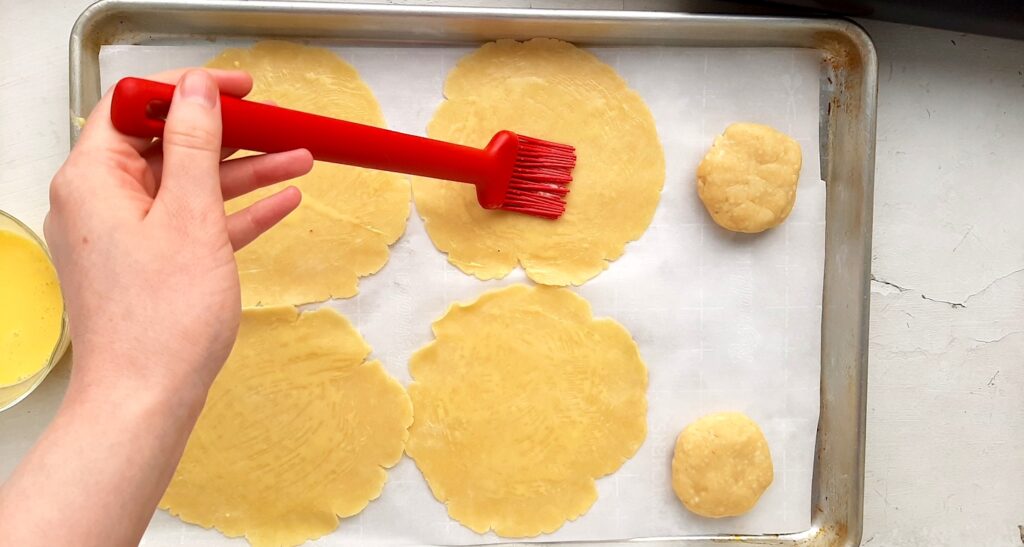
(33, 324)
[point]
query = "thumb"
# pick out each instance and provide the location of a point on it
(190, 182)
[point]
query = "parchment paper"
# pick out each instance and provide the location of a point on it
(724, 321)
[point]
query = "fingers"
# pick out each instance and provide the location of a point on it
(153, 154)
(243, 175)
(99, 131)
(154, 157)
(247, 224)
(190, 181)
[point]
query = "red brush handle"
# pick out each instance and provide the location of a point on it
(264, 128)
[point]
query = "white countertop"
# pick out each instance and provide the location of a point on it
(945, 439)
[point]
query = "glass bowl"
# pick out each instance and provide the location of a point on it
(12, 394)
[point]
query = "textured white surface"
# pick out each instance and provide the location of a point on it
(718, 317)
(945, 441)
(945, 454)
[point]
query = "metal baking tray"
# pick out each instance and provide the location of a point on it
(847, 121)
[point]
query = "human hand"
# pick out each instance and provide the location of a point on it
(145, 255)
(142, 245)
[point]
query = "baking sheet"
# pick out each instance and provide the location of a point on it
(724, 321)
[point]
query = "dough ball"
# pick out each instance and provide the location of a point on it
(748, 179)
(297, 430)
(721, 465)
(348, 216)
(551, 90)
(521, 401)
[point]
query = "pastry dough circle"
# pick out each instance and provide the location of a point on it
(348, 215)
(721, 465)
(551, 90)
(296, 431)
(748, 179)
(521, 401)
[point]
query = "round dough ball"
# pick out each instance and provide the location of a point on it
(748, 179)
(298, 429)
(521, 401)
(551, 90)
(722, 465)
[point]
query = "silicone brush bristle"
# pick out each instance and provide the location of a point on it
(540, 178)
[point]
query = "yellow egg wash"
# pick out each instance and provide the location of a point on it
(31, 308)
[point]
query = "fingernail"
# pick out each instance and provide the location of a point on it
(199, 88)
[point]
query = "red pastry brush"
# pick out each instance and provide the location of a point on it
(514, 173)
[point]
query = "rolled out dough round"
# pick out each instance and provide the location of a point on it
(297, 430)
(721, 465)
(551, 90)
(348, 215)
(748, 179)
(521, 401)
